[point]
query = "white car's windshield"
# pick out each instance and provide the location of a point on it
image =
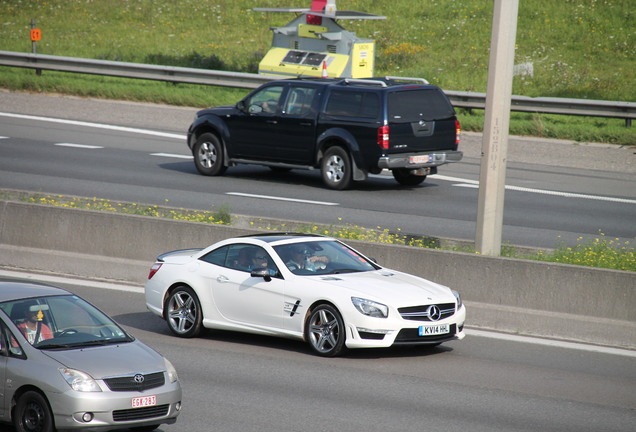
(322, 257)
(63, 322)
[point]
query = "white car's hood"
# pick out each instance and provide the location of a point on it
(391, 286)
(111, 360)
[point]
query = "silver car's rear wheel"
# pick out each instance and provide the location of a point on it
(183, 312)
(325, 331)
(32, 414)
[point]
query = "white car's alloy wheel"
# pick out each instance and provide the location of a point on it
(325, 331)
(183, 312)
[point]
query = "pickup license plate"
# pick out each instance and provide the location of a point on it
(432, 330)
(144, 401)
(420, 159)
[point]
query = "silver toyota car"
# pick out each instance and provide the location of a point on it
(65, 365)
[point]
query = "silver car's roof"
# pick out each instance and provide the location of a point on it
(16, 290)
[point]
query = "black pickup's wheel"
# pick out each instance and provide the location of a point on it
(405, 177)
(208, 155)
(336, 168)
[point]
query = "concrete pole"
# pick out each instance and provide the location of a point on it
(494, 147)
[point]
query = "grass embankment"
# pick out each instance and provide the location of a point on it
(577, 48)
(601, 252)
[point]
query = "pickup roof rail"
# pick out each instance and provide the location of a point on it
(396, 78)
(364, 81)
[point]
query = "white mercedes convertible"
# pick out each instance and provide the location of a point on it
(306, 287)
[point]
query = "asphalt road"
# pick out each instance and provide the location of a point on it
(487, 382)
(557, 192)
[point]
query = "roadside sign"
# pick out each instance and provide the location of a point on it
(36, 34)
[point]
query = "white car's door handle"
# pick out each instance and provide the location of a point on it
(222, 279)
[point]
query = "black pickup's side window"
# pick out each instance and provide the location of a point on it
(265, 101)
(299, 100)
(353, 104)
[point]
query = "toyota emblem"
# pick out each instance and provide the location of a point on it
(139, 378)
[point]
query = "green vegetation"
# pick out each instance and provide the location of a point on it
(601, 252)
(221, 216)
(578, 49)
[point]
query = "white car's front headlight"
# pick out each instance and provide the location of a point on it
(79, 381)
(459, 299)
(171, 371)
(370, 308)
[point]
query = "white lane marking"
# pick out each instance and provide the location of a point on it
(171, 155)
(474, 184)
(3, 137)
(550, 342)
(96, 125)
(84, 146)
(275, 198)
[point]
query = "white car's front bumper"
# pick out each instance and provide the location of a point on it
(367, 332)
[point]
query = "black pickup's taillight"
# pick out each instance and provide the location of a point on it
(458, 130)
(383, 137)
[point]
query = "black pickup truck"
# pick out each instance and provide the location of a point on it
(347, 128)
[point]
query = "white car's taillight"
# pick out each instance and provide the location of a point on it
(154, 269)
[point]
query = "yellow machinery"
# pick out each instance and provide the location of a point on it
(314, 44)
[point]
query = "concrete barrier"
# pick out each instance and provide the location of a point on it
(510, 295)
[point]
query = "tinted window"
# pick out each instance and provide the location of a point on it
(266, 100)
(299, 100)
(415, 105)
(353, 104)
(244, 257)
(217, 256)
(322, 257)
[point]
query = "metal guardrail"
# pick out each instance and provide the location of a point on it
(132, 70)
(469, 100)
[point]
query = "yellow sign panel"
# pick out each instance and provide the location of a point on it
(309, 31)
(362, 58)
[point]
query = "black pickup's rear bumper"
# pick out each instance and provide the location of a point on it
(420, 160)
